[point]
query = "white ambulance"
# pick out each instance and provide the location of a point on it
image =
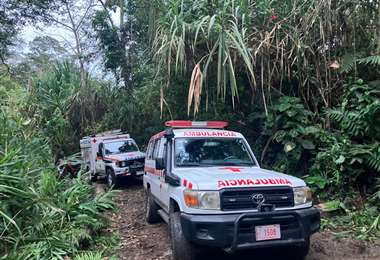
(206, 183)
(112, 154)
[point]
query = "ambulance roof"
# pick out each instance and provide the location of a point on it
(199, 132)
(110, 139)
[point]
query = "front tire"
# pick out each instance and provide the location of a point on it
(300, 252)
(181, 247)
(93, 177)
(111, 178)
(151, 208)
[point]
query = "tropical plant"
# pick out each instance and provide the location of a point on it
(363, 222)
(41, 217)
(359, 114)
(260, 45)
(350, 155)
(290, 136)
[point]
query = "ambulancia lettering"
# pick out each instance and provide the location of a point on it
(209, 134)
(252, 182)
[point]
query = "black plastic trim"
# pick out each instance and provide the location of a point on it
(256, 189)
(223, 230)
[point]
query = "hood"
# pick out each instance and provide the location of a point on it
(126, 156)
(216, 178)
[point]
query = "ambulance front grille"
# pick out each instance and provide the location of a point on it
(241, 198)
(139, 162)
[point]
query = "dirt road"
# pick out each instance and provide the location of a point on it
(141, 241)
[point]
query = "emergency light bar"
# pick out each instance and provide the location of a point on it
(196, 124)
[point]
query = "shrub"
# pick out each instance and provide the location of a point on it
(41, 217)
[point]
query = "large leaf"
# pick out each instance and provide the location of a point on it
(289, 146)
(307, 144)
(284, 106)
(340, 160)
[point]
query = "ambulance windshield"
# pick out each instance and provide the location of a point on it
(192, 152)
(120, 147)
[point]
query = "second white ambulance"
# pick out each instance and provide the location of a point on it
(112, 154)
(206, 183)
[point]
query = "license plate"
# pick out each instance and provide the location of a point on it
(267, 232)
(140, 173)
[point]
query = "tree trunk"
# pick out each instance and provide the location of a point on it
(121, 14)
(78, 48)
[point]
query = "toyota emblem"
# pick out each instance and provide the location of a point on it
(258, 198)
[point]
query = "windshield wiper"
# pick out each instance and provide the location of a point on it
(247, 163)
(238, 164)
(196, 164)
(188, 164)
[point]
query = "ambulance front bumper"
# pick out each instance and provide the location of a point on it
(129, 171)
(233, 232)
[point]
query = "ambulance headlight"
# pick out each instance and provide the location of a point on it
(202, 199)
(121, 164)
(302, 195)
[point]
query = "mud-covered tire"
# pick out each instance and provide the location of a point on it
(300, 252)
(112, 181)
(151, 208)
(93, 177)
(182, 248)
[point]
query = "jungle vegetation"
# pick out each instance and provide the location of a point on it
(299, 78)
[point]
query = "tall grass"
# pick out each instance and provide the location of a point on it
(261, 47)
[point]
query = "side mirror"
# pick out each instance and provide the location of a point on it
(172, 180)
(160, 164)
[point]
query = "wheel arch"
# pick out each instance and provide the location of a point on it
(174, 205)
(108, 167)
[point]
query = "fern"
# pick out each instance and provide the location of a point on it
(373, 160)
(89, 256)
(349, 61)
(370, 60)
(359, 114)
(351, 152)
(351, 122)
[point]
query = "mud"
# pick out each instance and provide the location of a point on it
(142, 241)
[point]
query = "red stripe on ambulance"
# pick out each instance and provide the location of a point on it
(153, 171)
(187, 184)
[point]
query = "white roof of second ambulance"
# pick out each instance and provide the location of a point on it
(206, 132)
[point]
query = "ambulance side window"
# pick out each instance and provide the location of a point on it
(100, 150)
(149, 154)
(156, 148)
(162, 150)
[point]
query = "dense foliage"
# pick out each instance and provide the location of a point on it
(41, 216)
(299, 78)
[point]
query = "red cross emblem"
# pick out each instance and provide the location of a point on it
(232, 169)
